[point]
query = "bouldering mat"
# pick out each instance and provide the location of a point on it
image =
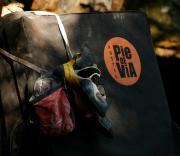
(121, 46)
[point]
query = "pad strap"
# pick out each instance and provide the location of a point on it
(30, 65)
(61, 28)
(64, 35)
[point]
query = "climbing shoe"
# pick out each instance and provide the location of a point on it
(104, 125)
(81, 81)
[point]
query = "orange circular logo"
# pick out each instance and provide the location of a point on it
(122, 61)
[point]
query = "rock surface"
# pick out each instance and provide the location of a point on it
(117, 5)
(45, 5)
(69, 6)
(12, 7)
(78, 6)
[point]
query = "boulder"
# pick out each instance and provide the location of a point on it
(117, 5)
(12, 7)
(45, 5)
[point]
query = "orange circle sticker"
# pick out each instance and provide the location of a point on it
(122, 61)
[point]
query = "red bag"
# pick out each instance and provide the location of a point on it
(50, 100)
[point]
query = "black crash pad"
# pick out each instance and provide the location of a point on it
(120, 44)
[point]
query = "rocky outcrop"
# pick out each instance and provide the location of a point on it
(108, 5)
(77, 6)
(45, 5)
(117, 5)
(12, 7)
